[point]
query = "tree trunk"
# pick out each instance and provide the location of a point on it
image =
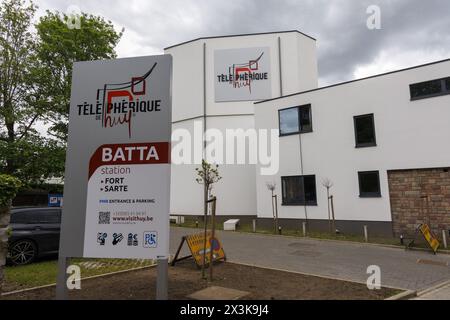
(4, 223)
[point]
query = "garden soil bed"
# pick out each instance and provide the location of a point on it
(185, 278)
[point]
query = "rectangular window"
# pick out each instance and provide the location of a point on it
(299, 190)
(428, 89)
(365, 131)
(369, 184)
(288, 119)
(295, 120)
(305, 118)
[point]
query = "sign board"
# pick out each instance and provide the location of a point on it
(55, 200)
(431, 239)
(196, 246)
(117, 183)
(242, 74)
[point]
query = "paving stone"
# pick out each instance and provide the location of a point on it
(218, 293)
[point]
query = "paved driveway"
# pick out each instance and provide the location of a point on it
(343, 260)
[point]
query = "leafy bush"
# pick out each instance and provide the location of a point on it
(8, 189)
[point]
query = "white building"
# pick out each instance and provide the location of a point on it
(379, 140)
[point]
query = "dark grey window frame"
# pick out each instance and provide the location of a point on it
(444, 89)
(300, 129)
(304, 202)
(367, 144)
(369, 194)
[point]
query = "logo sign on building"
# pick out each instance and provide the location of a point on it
(117, 184)
(242, 74)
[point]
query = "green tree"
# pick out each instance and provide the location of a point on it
(8, 189)
(18, 112)
(59, 46)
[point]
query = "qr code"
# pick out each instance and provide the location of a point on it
(104, 217)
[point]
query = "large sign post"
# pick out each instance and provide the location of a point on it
(117, 183)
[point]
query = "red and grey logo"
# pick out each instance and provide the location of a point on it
(243, 74)
(117, 103)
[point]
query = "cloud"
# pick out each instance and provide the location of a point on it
(413, 31)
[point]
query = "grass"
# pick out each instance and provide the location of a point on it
(248, 228)
(45, 272)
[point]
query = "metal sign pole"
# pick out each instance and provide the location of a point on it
(162, 279)
(61, 281)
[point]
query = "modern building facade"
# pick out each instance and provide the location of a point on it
(379, 142)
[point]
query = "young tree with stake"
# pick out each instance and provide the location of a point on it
(208, 174)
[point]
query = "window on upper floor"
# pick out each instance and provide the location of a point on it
(299, 190)
(295, 120)
(365, 131)
(428, 89)
(369, 184)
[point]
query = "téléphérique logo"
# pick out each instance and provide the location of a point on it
(243, 74)
(117, 103)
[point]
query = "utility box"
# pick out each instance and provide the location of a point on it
(230, 225)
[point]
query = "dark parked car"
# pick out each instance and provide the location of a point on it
(35, 233)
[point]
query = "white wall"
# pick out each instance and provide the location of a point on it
(409, 134)
(236, 190)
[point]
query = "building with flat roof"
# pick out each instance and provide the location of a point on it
(379, 141)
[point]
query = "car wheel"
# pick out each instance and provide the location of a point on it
(22, 252)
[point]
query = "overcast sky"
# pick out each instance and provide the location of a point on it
(412, 31)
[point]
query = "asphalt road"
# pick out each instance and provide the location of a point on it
(413, 270)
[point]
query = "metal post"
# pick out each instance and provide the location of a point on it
(332, 214)
(304, 229)
(366, 235)
(162, 278)
(62, 293)
(254, 225)
(444, 239)
(213, 231)
(276, 211)
(329, 214)
(205, 230)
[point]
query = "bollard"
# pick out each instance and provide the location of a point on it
(304, 229)
(279, 230)
(366, 235)
(444, 239)
(196, 223)
(254, 225)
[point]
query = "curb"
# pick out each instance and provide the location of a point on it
(408, 294)
(86, 278)
(433, 288)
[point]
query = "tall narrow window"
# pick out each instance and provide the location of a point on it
(299, 190)
(305, 118)
(295, 120)
(369, 184)
(365, 131)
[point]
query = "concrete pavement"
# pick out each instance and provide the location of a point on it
(440, 292)
(413, 270)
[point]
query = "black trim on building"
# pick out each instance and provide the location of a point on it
(238, 35)
(351, 81)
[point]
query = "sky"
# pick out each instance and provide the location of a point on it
(412, 32)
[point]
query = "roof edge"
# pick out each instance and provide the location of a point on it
(355, 80)
(239, 35)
